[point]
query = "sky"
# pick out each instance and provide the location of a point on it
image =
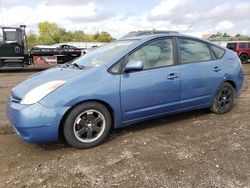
(118, 17)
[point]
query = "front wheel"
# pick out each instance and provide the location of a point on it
(87, 125)
(244, 58)
(224, 99)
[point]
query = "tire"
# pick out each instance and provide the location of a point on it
(87, 125)
(224, 99)
(244, 58)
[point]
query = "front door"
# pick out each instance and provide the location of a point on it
(154, 90)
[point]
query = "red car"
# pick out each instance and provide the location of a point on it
(242, 49)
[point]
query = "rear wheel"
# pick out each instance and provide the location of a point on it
(224, 99)
(244, 58)
(87, 125)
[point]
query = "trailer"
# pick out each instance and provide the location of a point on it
(62, 52)
(14, 49)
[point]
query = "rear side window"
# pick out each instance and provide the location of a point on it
(243, 45)
(219, 52)
(248, 45)
(193, 51)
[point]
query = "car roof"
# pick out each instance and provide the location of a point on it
(152, 36)
(147, 32)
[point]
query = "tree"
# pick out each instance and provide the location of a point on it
(78, 36)
(51, 33)
(219, 34)
(31, 39)
(88, 38)
(104, 37)
(66, 37)
(238, 35)
(96, 35)
(226, 35)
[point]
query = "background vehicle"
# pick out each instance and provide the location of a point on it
(143, 77)
(64, 53)
(241, 48)
(14, 49)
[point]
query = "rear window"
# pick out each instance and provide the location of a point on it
(231, 46)
(219, 52)
(243, 45)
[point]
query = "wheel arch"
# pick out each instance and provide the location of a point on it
(108, 106)
(243, 53)
(232, 83)
(218, 109)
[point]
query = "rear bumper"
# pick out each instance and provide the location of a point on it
(35, 123)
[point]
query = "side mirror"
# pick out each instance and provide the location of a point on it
(133, 66)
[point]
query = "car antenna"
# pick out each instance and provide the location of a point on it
(192, 24)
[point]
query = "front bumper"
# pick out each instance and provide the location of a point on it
(35, 123)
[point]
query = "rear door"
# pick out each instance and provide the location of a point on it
(156, 89)
(201, 73)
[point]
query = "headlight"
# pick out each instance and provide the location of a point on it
(41, 91)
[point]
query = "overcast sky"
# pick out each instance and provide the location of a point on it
(193, 17)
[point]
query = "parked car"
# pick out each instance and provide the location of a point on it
(241, 48)
(124, 82)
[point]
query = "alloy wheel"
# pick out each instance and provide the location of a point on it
(225, 99)
(89, 126)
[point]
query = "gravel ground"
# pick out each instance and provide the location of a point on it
(193, 149)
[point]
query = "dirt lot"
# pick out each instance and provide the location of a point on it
(194, 149)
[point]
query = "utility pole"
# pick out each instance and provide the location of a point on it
(2, 12)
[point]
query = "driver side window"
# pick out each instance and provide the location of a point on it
(156, 54)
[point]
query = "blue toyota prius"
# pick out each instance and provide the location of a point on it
(121, 83)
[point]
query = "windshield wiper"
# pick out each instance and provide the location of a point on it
(78, 66)
(65, 65)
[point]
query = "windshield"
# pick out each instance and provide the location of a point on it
(103, 54)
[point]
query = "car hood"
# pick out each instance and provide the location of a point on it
(43, 77)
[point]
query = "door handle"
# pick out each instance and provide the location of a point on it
(172, 76)
(216, 69)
